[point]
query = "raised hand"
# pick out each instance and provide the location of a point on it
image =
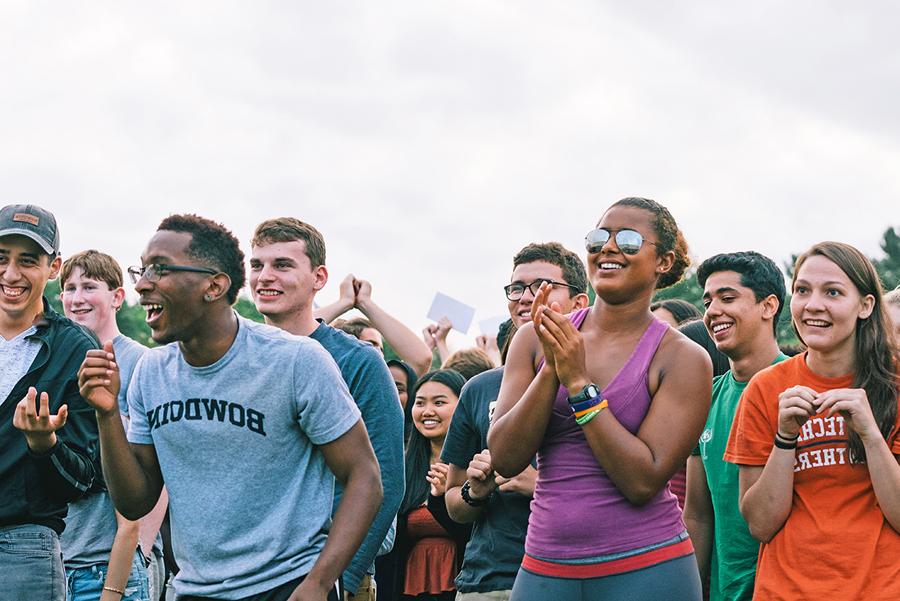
(443, 328)
(537, 318)
(795, 406)
(853, 405)
(363, 290)
(480, 475)
(36, 422)
(437, 478)
(346, 291)
(567, 346)
(98, 379)
(428, 335)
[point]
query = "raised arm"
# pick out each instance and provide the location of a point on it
(523, 406)
(344, 303)
(404, 341)
(132, 471)
(352, 461)
(767, 491)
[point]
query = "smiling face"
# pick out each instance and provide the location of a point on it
(526, 273)
(24, 271)
(825, 306)
(433, 409)
(283, 281)
(617, 276)
(733, 317)
(90, 302)
(176, 310)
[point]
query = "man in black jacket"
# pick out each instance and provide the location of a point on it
(51, 460)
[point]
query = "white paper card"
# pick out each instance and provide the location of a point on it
(491, 325)
(459, 313)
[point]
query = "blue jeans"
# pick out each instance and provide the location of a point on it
(31, 563)
(86, 584)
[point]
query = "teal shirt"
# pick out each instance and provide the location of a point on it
(735, 551)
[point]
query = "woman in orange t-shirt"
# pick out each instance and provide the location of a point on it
(816, 437)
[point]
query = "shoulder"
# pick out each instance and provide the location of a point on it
(678, 350)
(346, 349)
(66, 332)
(778, 374)
(483, 385)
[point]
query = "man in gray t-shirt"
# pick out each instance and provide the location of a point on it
(243, 422)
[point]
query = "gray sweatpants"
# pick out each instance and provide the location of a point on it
(673, 580)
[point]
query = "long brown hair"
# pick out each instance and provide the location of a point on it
(876, 363)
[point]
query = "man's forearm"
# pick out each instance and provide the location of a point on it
(459, 510)
(404, 341)
(132, 490)
(352, 520)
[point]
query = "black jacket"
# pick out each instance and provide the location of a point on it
(36, 489)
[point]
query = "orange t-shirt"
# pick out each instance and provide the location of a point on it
(836, 543)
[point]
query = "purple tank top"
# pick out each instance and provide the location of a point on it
(577, 511)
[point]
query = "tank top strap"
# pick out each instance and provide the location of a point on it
(635, 369)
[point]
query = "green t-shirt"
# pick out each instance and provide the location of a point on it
(735, 551)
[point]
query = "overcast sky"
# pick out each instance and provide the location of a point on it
(429, 141)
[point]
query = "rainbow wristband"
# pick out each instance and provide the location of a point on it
(595, 408)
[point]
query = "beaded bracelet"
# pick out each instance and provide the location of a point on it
(113, 590)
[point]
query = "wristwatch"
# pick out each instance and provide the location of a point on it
(591, 391)
(467, 496)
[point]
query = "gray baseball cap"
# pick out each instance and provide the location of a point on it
(32, 222)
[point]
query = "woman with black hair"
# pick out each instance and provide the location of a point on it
(429, 542)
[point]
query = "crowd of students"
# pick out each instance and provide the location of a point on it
(625, 449)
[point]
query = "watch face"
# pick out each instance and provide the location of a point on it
(592, 391)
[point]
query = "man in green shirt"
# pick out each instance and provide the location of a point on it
(743, 293)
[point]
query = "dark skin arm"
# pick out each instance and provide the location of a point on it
(132, 470)
(681, 386)
(352, 461)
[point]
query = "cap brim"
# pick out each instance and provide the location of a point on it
(48, 248)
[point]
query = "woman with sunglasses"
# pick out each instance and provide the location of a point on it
(817, 443)
(612, 401)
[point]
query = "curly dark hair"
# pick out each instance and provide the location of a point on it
(670, 238)
(211, 243)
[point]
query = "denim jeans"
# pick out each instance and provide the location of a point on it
(86, 584)
(31, 563)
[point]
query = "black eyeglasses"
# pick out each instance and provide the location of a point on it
(515, 290)
(154, 271)
(628, 241)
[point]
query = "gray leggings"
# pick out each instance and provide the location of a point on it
(673, 580)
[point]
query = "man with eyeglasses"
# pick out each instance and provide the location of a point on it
(499, 507)
(244, 423)
(51, 460)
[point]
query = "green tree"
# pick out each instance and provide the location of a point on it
(889, 267)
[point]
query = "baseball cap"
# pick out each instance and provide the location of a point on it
(32, 222)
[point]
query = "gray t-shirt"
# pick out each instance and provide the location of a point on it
(91, 522)
(249, 492)
(128, 353)
(16, 357)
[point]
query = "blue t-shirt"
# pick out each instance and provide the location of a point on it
(375, 393)
(250, 495)
(495, 550)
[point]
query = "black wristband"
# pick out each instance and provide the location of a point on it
(467, 496)
(787, 438)
(787, 446)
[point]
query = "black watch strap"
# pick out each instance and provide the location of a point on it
(591, 391)
(466, 494)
